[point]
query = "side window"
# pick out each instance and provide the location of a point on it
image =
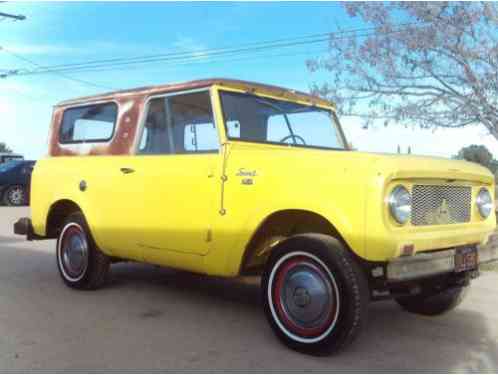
(93, 123)
(180, 124)
(156, 135)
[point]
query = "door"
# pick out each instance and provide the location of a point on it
(170, 187)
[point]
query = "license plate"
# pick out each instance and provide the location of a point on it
(466, 258)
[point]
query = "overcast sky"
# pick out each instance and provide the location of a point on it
(62, 33)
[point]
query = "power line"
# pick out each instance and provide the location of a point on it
(56, 73)
(180, 53)
(253, 58)
(200, 55)
(252, 47)
(223, 49)
(186, 56)
(217, 61)
(16, 17)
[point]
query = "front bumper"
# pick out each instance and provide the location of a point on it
(424, 265)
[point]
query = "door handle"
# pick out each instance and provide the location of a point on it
(127, 170)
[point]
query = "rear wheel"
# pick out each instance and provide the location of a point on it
(81, 263)
(433, 303)
(314, 295)
(15, 196)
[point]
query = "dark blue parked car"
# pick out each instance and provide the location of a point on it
(15, 179)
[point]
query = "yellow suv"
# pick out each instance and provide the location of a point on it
(229, 178)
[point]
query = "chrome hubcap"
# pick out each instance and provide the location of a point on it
(16, 196)
(74, 252)
(307, 297)
(301, 297)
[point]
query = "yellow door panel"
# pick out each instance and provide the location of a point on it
(160, 204)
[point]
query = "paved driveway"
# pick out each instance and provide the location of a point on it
(150, 318)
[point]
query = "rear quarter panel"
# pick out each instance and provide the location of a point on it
(58, 178)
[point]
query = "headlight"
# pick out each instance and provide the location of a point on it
(400, 204)
(484, 202)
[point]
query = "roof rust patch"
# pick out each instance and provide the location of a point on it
(191, 85)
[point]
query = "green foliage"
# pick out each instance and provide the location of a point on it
(478, 154)
(4, 148)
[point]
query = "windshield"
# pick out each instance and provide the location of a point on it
(9, 165)
(255, 119)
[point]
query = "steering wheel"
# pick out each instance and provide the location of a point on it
(294, 137)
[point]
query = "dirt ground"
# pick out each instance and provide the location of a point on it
(150, 318)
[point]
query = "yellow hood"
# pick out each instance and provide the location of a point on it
(409, 166)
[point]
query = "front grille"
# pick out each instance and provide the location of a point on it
(440, 204)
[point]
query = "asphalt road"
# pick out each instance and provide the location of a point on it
(150, 318)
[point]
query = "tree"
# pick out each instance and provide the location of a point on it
(4, 148)
(432, 64)
(478, 154)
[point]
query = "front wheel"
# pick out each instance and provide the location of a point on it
(15, 196)
(81, 263)
(433, 303)
(314, 294)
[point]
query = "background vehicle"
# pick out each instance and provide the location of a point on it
(230, 178)
(15, 179)
(6, 156)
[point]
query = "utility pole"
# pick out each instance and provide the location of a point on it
(17, 17)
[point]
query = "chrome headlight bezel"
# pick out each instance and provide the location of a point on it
(400, 204)
(484, 203)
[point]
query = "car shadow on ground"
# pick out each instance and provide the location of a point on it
(229, 311)
(459, 340)
(241, 290)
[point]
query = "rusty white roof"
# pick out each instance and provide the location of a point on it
(239, 84)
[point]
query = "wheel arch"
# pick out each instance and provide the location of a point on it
(279, 226)
(57, 213)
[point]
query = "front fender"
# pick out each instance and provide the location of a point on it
(350, 227)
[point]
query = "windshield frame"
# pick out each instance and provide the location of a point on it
(334, 121)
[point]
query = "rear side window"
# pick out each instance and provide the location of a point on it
(92, 123)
